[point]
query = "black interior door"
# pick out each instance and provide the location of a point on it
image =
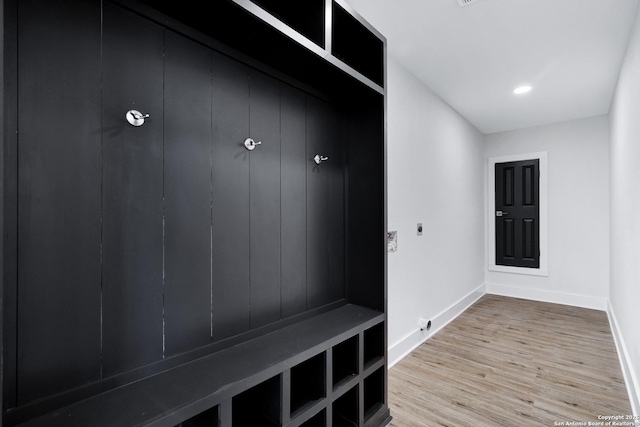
(517, 213)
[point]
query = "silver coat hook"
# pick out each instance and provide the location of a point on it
(250, 144)
(136, 118)
(319, 159)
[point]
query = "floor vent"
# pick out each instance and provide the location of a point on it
(464, 3)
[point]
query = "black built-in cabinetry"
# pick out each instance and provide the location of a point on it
(353, 43)
(307, 18)
(164, 274)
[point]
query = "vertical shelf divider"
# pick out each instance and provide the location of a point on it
(328, 25)
(225, 414)
(285, 398)
(361, 361)
(329, 370)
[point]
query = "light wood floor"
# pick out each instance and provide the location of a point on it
(511, 362)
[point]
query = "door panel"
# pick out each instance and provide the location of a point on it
(528, 238)
(509, 186)
(517, 213)
(294, 202)
(509, 238)
(132, 188)
(528, 191)
(187, 194)
(265, 199)
(230, 198)
(59, 181)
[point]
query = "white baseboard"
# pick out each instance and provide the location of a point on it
(630, 378)
(575, 300)
(409, 343)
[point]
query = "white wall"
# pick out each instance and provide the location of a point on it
(435, 160)
(625, 213)
(578, 212)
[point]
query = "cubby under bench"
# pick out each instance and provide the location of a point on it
(311, 373)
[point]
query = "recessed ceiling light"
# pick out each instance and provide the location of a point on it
(522, 89)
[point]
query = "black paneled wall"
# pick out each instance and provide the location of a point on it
(132, 192)
(187, 194)
(325, 205)
(293, 207)
(230, 205)
(139, 243)
(264, 197)
(55, 338)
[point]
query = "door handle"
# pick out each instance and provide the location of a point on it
(501, 213)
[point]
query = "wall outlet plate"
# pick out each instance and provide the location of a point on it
(392, 241)
(419, 229)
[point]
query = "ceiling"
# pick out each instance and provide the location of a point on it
(473, 57)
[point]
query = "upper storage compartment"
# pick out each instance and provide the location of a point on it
(330, 51)
(306, 17)
(356, 45)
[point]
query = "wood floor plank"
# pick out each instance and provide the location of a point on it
(507, 361)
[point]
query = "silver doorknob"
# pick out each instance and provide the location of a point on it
(319, 159)
(501, 213)
(136, 118)
(250, 144)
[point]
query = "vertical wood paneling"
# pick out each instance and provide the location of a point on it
(59, 183)
(230, 203)
(265, 199)
(9, 214)
(187, 194)
(317, 204)
(132, 202)
(325, 194)
(293, 209)
(336, 208)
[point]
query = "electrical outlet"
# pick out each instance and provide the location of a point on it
(425, 325)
